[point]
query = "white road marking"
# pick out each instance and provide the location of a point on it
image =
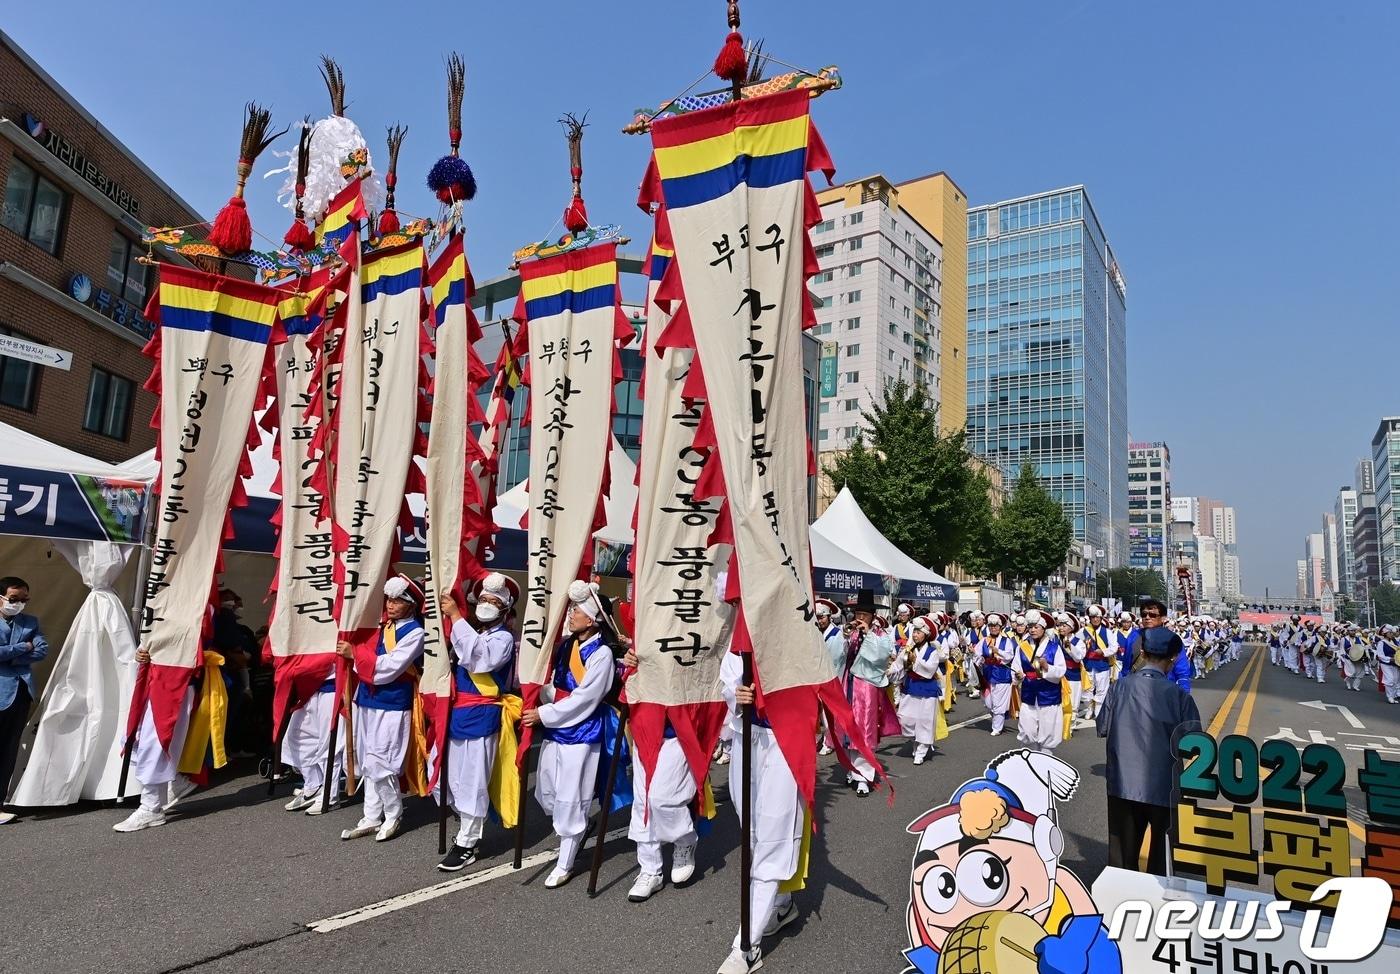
(1347, 714)
(969, 721)
(405, 900)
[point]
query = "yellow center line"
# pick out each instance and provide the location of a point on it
(1217, 724)
(1247, 707)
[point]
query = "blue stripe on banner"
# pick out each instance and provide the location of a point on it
(300, 325)
(658, 266)
(456, 294)
(334, 238)
(758, 173)
(389, 286)
(573, 301)
(187, 319)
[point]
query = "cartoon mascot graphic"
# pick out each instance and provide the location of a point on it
(988, 894)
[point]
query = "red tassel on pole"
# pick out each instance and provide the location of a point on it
(299, 236)
(232, 231)
(388, 223)
(576, 215)
(732, 64)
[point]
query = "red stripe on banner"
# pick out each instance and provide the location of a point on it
(295, 680)
(724, 119)
(573, 260)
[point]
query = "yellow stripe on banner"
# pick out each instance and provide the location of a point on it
(662, 252)
(442, 287)
(198, 299)
(771, 139)
(336, 220)
(296, 305)
(391, 266)
(583, 279)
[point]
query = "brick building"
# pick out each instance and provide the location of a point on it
(75, 203)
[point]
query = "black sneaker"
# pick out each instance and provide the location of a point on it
(458, 857)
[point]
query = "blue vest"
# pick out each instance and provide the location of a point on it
(1035, 690)
(398, 695)
(471, 721)
(993, 670)
(920, 686)
(1104, 662)
(590, 729)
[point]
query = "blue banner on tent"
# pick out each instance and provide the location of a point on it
(928, 592)
(836, 581)
(49, 504)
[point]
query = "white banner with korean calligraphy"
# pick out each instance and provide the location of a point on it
(733, 182)
(302, 626)
(682, 623)
(455, 515)
(571, 323)
(376, 432)
(212, 345)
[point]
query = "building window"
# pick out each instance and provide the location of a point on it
(852, 350)
(824, 408)
(821, 435)
(853, 323)
(852, 297)
(109, 404)
(824, 302)
(854, 270)
(19, 380)
(825, 250)
(852, 376)
(855, 243)
(851, 405)
(821, 278)
(34, 207)
(125, 272)
(856, 218)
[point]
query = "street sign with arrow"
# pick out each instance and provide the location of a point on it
(54, 358)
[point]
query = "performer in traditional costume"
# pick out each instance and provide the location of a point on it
(306, 743)
(923, 661)
(828, 623)
(1101, 649)
(384, 707)
(775, 834)
(903, 619)
(571, 713)
(1042, 669)
(1073, 638)
(156, 767)
(1126, 637)
(997, 652)
(870, 650)
(1353, 656)
(482, 673)
(1386, 646)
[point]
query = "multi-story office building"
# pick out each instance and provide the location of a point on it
(1314, 548)
(1365, 479)
(1365, 547)
(1149, 505)
(879, 300)
(1331, 556)
(1345, 514)
(1047, 356)
(72, 275)
(1302, 589)
(1385, 459)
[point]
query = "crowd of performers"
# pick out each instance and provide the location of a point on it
(1048, 672)
(1310, 648)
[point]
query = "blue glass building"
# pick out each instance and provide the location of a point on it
(1047, 357)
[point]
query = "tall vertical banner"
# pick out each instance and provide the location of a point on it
(302, 628)
(571, 323)
(455, 515)
(492, 440)
(211, 344)
(682, 623)
(733, 182)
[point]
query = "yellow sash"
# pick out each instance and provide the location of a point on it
(209, 720)
(415, 762)
(798, 879)
(504, 787)
(949, 692)
(576, 664)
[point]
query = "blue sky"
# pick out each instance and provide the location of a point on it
(1241, 155)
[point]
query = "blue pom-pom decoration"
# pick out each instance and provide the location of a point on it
(451, 179)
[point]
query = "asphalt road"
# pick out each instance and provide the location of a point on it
(233, 883)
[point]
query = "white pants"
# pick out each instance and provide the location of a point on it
(469, 765)
(918, 718)
(1351, 673)
(1043, 728)
(775, 831)
(1274, 652)
(564, 787)
(1290, 658)
(154, 766)
(383, 801)
(381, 741)
(307, 740)
(999, 704)
(1307, 664)
(665, 814)
(1320, 670)
(1390, 674)
(1098, 690)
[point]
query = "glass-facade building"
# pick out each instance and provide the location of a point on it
(1385, 459)
(1047, 357)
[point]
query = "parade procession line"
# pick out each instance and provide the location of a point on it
(405, 900)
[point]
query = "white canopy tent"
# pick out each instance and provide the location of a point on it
(72, 750)
(845, 525)
(510, 506)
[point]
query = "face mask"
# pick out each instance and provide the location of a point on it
(12, 609)
(488, 612)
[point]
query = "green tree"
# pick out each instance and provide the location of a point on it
(1032, 533)
(912, 481)
(978, 556)
(1386, 597)
(1131, 584)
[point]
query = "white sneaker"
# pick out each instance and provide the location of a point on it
(781, 918)
(920, 755)
(642, 890)
(682, 863)
(824, 750)
(7, 817)
(315, 807)
(862, 788)
(557, 877)
(737, 963)
(996, 733)
(387, 831)
(177, 791)
(142, 818)
(362, 828)
(723, 757)
(300, 801)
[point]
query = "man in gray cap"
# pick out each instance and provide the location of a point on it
(1143, 717)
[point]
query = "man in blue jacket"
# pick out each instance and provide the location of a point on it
(21, 646)
(1154, 615)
